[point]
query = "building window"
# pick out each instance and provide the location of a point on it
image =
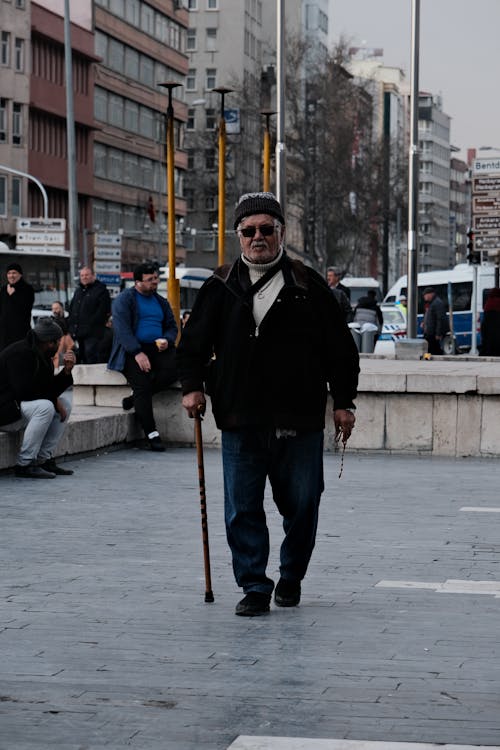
(211, 78)
(20, 3)
(212, 4)
(147, 19)
(17, 124)
(210, 158)
(211, 41)
(19, 55)
(132, 12)
(16, 196)
(3, 196)
(190, 120)
(190, 159)
(189, 196)
(211, 202)
(192, 4)
(191, 40)
(191, 79)
(3, 120)
(5, 48)
(117, 7)
(211, 120)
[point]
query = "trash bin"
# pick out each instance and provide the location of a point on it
(356, 334)
(368, 341)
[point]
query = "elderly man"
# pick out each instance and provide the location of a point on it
(276, 339)
(144, 335)
(88, 312)
(31, 396)
(16, 302)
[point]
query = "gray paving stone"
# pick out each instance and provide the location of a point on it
(106, 642)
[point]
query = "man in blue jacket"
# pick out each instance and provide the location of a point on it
(144, 335)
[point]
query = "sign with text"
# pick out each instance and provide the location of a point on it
(107, 253)
(485, 184)
(110, 279)
(486, 204)
(483, 165)
(108, 266)
(103, 238)
(41, 224)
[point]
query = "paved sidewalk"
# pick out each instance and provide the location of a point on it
(106, 642)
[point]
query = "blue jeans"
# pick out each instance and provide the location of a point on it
(294, 466)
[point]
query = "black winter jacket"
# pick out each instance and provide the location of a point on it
(275, 375)
(26, 375)
(89, 310)
(15, 312)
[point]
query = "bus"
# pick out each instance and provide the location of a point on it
(190, 281)
(460, 280)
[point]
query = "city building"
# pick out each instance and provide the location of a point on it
(435, 248)
(460, 209)
(140, 46)
(388, 90)
(247, 66)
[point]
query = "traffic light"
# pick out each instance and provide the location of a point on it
(474, 256)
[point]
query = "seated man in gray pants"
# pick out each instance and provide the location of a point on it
(34, 398)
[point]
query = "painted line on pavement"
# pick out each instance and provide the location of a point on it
(245, 742)
(480, 509)
(451, 586)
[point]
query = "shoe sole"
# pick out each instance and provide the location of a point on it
(286, 602)
(252, 614)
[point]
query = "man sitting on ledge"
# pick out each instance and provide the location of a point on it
(144, 334)
(34, 398)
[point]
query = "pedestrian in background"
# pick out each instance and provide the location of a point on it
(368, 311)
(333, 279)
(277, 342)
(88, 313)
(34, 398)
(490, 325)
(16, 303)
(435, 324)
(66, 343)
(144, 336)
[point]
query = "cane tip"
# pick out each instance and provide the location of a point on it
(209, 597)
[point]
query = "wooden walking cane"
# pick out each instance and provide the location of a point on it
(209, 596)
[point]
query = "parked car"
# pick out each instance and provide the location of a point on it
(394, 326)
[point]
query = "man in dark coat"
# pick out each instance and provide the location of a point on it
(435, 323)
(88, 312)
(277, 343)
(33, 398)
(16, 302)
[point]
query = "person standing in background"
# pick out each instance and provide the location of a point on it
(16, 303)
(88, 312)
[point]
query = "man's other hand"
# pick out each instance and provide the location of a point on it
(194, 403)
(143, 362)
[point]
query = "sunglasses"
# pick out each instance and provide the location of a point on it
(266, 230)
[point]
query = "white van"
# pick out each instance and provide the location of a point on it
(359, 286)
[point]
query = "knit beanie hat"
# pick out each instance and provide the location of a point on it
(15, 267)
(257, 203)
(47, 329)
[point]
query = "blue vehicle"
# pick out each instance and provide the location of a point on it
(453, 286)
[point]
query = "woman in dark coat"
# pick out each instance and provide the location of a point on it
(16, 302)
(490, 326)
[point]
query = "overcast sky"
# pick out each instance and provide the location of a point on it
(459, 55)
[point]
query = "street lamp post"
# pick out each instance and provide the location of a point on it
(266, 157)
(413, 175)
(173, 289)
(221, 220)
(280, 101)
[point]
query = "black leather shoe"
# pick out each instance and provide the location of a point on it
(33, 472)
(255, 603)
(287, 593)
(156, 445)
(51, 466)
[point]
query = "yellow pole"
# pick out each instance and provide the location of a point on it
(221, 225)
(266, 158)
(173, 288)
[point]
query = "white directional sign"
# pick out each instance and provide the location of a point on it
(41, 237)
(107, 266)
(484, 165)
(41, 224)
(107, 253)
(101, 238)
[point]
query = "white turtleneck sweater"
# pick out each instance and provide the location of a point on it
(265, 297)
